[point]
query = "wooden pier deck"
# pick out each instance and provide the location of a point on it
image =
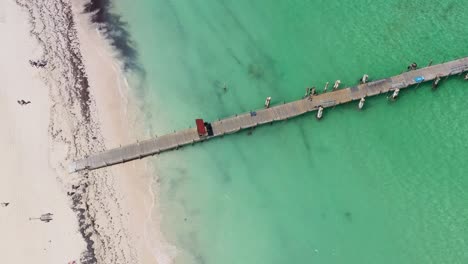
(265, 116)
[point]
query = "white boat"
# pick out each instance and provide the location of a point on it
(337, 84)
(361, 103)
(364, 78)
(320, 113)
(267, 102)
(395, 94)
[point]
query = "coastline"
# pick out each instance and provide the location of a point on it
(120, 109)
(29, 185)
(105, 216)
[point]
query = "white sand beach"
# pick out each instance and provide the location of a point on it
(79, 103)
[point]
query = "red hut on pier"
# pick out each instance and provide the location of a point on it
(201, 128)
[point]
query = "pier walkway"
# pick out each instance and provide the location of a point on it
(265, 116)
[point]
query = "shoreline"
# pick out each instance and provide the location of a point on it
(111, 216)
(135, 181)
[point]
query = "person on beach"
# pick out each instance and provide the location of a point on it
(23, 102)
(38, 64)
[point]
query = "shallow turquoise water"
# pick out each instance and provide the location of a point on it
(384, 185)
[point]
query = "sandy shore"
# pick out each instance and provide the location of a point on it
(80, 103)
(27, 180)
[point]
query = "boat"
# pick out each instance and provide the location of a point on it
(436, 82)
(361, 103)
(320, 113)
(395, 94)
(267, 102)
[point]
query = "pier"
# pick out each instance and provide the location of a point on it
(271, 114)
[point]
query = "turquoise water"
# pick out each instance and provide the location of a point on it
(384, 185)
